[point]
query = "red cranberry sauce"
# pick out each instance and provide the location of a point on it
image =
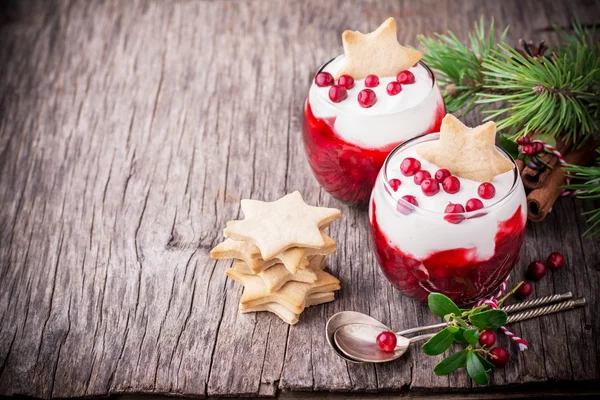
(456, 272)
(346, 170)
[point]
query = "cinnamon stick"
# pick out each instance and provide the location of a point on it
(534, 178)
(541, 200)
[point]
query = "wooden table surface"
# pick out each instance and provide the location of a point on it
(129, 132)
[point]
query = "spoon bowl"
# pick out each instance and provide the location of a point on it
(357, 342)
(345, 318)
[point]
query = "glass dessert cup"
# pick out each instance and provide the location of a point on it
(420, 252)
(346, 149)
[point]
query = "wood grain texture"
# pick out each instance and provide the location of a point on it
(129, 131)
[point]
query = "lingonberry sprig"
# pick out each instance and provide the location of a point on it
(472, 328)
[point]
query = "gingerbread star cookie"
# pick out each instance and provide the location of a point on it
(278, 275)
(292, 295)
(293, 259)
(280, 225)
(285, 314)
(470, 153)
(376, 53)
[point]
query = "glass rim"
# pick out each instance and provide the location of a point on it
(329, 102)
(467, 214)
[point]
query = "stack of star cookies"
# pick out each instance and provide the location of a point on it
(280, 250)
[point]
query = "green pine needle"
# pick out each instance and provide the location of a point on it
(589, 187)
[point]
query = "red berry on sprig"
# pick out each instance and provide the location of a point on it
(536, 270)
(524, 140)
(527, 149)
(410, 166)
(486, 190)
(393, 88)
(337, 93)
(442, 174)
(555, 260)
(525, 289)
(451, 185)
(405, 77)
(371, 81)
(538, 147)
(367, 98)
(430, 187)
(324, 79)
(499, 356)
(454, 213)
(420, 176)
(346, 81)
(487, 338)
(395, 184)
(386, 341)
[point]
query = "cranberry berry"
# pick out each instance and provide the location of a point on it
(337, 93)
(430, 187)
(371, 81)
(538, 148)
(420, 176)
(405, 77)
(386, 341)
(555, 260)
(527, 149)
(525, 289)
(474, 204)
(451, 185)
(366, 98)
(410, 166)
(395, 184)
(403, 208)
(346, 81)
(487, 338)
(454, 212)
(486, 190)
(324, 79)
(524, 140)
(442, 174)
(536, 270)
(499, 356)
(393, 88)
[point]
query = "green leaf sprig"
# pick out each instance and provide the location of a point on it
(463, 328)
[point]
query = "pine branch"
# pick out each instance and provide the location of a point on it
(589, 188)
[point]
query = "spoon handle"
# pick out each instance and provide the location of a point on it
(427, 336)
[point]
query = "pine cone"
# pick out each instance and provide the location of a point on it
(530, 49)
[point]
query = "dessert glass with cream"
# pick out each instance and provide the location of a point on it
(353, 120)
(436, 232)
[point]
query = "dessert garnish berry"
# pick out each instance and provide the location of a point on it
(371, 81)
(536, 270)
(395, 184)
(499, 356)
(402, 208)
(410, 166)
(525, 289)
(555, 260)
(324, 79)
(405, 77)
(393, 88)
(366, 98)
(453, 211)
(430, 187)
(474, 204)
(346, 81)
(442, 174)
(386, 341)
(420, 176)
(451, 185)
(487, 338)
(486, 190)
(524, 140)
(337, 93)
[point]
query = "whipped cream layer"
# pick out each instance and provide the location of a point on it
(392, 119)
(425, 231)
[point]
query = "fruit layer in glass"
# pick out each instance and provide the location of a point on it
(433, 246)
(346, 144)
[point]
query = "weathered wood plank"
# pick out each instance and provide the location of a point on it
(129, 131)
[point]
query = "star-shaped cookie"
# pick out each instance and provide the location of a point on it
(294, 259)
(280, 225)
(285, 314)
(376, 53)
(277, 275)
(470, 153)
(292, 295)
